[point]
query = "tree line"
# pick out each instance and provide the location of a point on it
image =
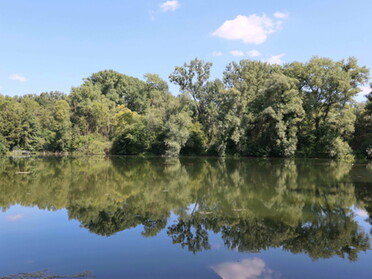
(255, 109)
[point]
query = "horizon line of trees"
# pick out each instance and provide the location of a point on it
(255, 109)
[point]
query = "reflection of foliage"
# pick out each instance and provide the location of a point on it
(45, 275)
(109, 221)
(254, 235)
(254, 204)
(191, 234)
(363, 191)
(333, 234)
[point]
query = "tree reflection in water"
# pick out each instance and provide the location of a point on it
(303, 206)
(46, 275)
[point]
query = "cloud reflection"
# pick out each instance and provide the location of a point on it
(254, 268)
(15, 217)
(361, 213)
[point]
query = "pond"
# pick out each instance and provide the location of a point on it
(124, 217)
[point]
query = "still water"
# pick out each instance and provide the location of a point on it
(96, 217)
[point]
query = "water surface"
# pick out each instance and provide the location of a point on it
(189, 218)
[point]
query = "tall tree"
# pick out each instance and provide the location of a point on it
(278, 112)
(327, 87)
(193, 79)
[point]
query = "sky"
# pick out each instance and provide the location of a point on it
(52, 45)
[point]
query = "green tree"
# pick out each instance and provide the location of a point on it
(362, 140)
(246, 82)
(193, 80)
(92, 111)
(132, 135)
(278, 113)
(121, 89)
(197, 142)
(20, 126)
(62, 126)
(327, 87)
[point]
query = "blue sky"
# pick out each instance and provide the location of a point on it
(52, 45)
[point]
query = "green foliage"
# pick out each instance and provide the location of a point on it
(92, 144)
(62, 127)
(362, 140)
(339, 149)
(256, 109)
(278, 112)
(3, 145)
(133, 136)
(120, 89)
(176, 133)
(327, 89)
(21, 123)
(197, 141)
(92, 111)
(193, 79)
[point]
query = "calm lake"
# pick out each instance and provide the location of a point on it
(95, 217)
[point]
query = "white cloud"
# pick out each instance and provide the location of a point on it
(217, 53)
(246, 269)
(252, 29)
(281, 15)
(276, 59)
(361, 213)
(361, 96)
(365, 90)
(237, 53)
(171, 6)
(254, 53)
(17, 77)
(14, 217)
